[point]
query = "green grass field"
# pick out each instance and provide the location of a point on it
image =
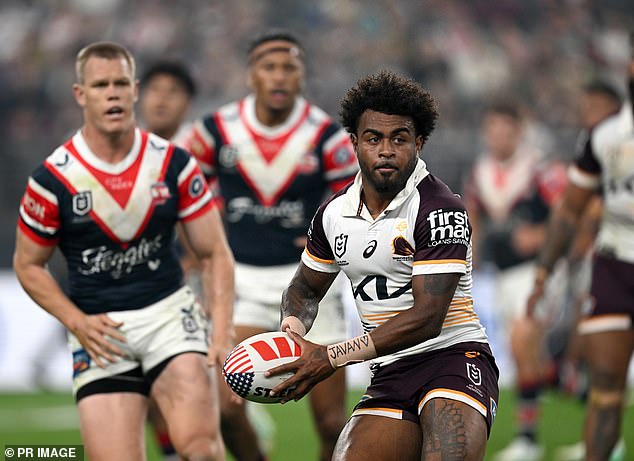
(50, 418)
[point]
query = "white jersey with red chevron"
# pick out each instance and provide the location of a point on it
(114, 223)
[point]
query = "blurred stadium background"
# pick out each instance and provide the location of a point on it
(464, 52)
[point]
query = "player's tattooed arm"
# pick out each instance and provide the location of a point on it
(563, 225)
(432, 295)
(301, 298)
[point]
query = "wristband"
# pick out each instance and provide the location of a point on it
(353, 350)
(294, 324)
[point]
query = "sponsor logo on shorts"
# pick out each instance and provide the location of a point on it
(494, 408)
(81, 361)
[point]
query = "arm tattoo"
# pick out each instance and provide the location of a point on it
(560, 234)
(439, 284)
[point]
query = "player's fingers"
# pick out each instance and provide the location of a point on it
(286, 368)
(110, 322)
(114, 334)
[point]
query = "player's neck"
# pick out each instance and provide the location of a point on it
(375, 201)
(166, 133)
(111, 148)
(271, 117)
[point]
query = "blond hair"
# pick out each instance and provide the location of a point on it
(107, 50)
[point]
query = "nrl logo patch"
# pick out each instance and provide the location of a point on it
(228, 156)
(474, 374)
(82, 203)
(340, 245)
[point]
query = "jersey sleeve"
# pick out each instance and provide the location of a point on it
(585, 172)
(194, 196)
(318, 254)
(338, 158)
(442, 237)
(201, 143)
(39, 216)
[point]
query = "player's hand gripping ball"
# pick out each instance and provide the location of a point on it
(244, 367)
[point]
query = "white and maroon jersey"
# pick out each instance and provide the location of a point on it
(271, 180)
(424, 230)
(115, 223)
(507, 194)
(607, 160)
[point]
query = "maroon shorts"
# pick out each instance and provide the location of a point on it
(465, 372)
(612, 297)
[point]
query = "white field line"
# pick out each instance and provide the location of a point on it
(55, 418)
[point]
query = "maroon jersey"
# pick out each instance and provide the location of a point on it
(115, 223)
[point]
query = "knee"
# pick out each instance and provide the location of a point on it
(329, 424)
(202, 448)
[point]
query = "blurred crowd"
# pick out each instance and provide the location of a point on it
(465, 52)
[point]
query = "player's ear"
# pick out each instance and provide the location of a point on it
(136, 90)
(80, 96)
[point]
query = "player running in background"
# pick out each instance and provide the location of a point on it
(166, 91)
(273, 157)
(109, 197)
(544, 346)
(403, 239)
(508, 196)
(605, 163)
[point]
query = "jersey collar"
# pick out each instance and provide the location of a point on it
(352, 201)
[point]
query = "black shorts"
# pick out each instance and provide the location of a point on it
(612, 297)
(465, 372)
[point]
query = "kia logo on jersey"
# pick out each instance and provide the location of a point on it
(340, 245)
(82, 203)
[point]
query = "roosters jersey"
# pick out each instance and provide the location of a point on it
(271, 180)
(509, 194)
(607, 160)
(115, 223)
(424, 230)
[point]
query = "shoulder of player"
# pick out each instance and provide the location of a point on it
(612, 129)
(434, 193)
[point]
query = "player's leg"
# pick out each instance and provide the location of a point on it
(185, 391)
(369, 437)
(328, 401)
(124, 415)
(452, 430)
(608, 355)
(159, 425)
(237, 430)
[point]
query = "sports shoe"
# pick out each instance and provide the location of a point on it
(577, 452)
(520, 449)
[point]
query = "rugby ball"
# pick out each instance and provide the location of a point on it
(244, 367)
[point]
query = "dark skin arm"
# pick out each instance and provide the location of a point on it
(562, 228)
(423, 321)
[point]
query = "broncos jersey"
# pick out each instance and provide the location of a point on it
(271, 180)
(115, 223)
(424, 230)
(606, 159)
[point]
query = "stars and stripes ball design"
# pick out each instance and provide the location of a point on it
(244, 367)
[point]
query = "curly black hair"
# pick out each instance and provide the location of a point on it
(175, 69)
(389, 93)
